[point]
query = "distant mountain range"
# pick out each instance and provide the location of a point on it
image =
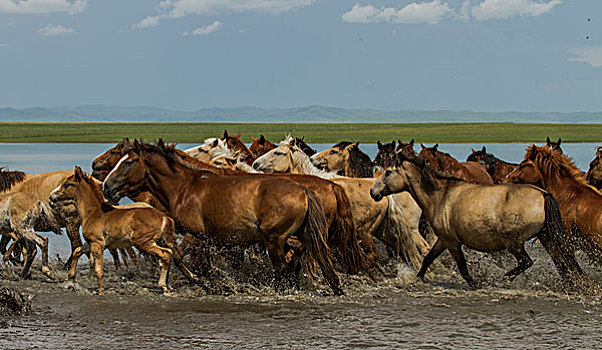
(309, 114)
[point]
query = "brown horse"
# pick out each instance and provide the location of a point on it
(107, 226)
(235, 143)
(579, 202)
(233, 210)
(594, 173)
(482, 217)
(346, 159)
(407, 149)
(497, 168)
(470, 171)
(260, 146)
(342, 233)
(386, 156)
(554, 146)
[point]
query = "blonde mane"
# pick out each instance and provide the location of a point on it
(303, 163)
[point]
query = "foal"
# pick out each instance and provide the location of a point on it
(107, 226)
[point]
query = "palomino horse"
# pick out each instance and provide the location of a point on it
(234, 143)
(386, 156)
(579, 202)
(346, 159)
(395, 223)
(469, 171)
(21, 216)
(497, 168)
(260, 146)
(107, 226)
(594, 173)
(342, 233)
(481, 217)
(233, 210)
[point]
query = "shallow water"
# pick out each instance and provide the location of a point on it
(399, 311)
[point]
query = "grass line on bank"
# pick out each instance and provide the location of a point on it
(313, 132)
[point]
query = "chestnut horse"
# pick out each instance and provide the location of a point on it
(594, 173)
(346, 159)
(470, 171)
(579, 202)
(482, 217)
(107, 226)
(234, 143)
(233, 210)
(260, 146)
(497, 168)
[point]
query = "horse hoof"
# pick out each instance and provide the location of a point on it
(69, 286)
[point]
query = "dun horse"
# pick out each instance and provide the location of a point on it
(470, 171)
(497, 168)
(346, 159)
(107, 226)
(234, 210)
(481, 217)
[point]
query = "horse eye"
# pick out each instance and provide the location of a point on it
(333, 152)
(279, 153)
(388, 172)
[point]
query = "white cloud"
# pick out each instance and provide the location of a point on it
(148, 21)
(42, 6)
(53, 30)
(181, 8)
(492, 9)
(205, 30)
(591, 55)
(423, 12)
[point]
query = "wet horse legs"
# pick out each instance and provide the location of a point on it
(523, 259)
(438, 248)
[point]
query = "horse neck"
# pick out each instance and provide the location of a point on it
(426, 199)
(88, 201)
(168, 186)
(301, 164)
(568, 190)
(503, 168)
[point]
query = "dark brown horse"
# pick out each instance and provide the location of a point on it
(407, 149)
(233, 210)
(260, 146)
(594, 173)
(497, 168)
(300, 142)
(235, 143)
(469, 171)
(345, 158)
(554, 146)
(579, 202)
(386, 156)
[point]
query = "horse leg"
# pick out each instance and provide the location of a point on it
(124, 256)
(116, 260)
(42, 242)
(276, 253)
(523, 259)
(74, 239)
(11, 248)
(77, 253)
(164, 255)
(132, 255)
(32, 250)
(456, 252)
(4, 240)
(168, 236)
(438, 248)
(96, 251)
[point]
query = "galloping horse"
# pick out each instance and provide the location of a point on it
(346, 159)
(497, 168)
(482, 217)
(260, 146)
(470, 171)
(107, 226)
(594, 173)
(579, 202)
(234, 210)
(395, 223)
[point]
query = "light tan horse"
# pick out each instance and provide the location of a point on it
(21, 215)
(346, 159)
(107, 226)
(234, 210)
(485, 218)
(394, 221)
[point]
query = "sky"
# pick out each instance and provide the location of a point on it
(479, 55)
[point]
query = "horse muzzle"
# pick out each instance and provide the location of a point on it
(376, 196)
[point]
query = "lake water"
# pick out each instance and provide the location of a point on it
(396, 312)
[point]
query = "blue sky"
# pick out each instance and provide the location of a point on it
(482, 55)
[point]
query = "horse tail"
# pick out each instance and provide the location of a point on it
(556, 243)
(312, 235)
(343, 234)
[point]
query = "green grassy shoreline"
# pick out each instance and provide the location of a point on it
(313, 132)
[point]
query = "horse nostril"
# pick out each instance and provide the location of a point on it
(255, 166)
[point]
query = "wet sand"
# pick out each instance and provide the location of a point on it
(531, 312)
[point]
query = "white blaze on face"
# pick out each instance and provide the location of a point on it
(55, 190)
(114, 169)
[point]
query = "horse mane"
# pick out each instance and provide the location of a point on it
(430, 174)
(222, 150)
(557, 165)
(303, 161)
(9, 178)
(94, 185)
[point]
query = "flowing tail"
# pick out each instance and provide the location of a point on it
(343, 235)
(556, 243)
(312, 235)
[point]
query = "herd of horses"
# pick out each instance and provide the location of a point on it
(306, 209)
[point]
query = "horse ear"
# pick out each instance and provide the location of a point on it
(253, 139)
(78, 173)
(472, 149)
(225, 134)
(533, 151)
(303, 138)
(380, 145)
(412, 142)
(261, 139)
(238, 135)
(215, 143)
(393, 143)
(548, 140)
(435, 146)
(559, 142)
(484, 150)
(354, 145)
(422, 145)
